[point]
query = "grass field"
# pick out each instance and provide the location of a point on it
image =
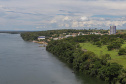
(103, 50)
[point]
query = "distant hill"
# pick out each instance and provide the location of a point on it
(15, 32)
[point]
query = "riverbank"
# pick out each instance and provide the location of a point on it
(23, 62)
(87, 62)
(40, 42)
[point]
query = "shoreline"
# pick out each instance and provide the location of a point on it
(40, 42)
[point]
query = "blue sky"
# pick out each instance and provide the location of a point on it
(61, 14)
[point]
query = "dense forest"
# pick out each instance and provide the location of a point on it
(87, 62)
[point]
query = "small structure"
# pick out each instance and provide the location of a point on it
(92, 33)
(80, 33)
(68, 36)
(41, 38)
(74, 34)
(55, 38)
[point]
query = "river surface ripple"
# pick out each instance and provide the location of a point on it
(24, 62)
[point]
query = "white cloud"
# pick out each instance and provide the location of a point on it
(84, 18)
(93, 22)
(62, 13)
(66, 18)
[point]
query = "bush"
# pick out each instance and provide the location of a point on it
(122, 51)
(114, 45)
(98, 44)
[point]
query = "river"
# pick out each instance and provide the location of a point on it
(24, 62)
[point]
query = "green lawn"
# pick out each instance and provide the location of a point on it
(103, 50)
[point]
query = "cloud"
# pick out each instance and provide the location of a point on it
(62, 13)
(84, 22)
(83, 18)
(66, 18)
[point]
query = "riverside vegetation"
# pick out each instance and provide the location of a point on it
(73, 52)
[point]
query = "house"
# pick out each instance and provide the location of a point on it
(68, 36)
(41, 38)
(80, 33)
(55, 38)
(74, 34)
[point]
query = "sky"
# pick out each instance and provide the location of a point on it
(62, 14)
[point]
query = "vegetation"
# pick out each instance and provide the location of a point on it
(87, 61)
(121, 31)
(30, 36)
(100, 60)
(99, 51)
(122, 51)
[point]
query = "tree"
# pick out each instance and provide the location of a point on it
(110, 72)
(98, 44)
(122, 51)
(114, 45)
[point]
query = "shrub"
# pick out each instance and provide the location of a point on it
(122, 51)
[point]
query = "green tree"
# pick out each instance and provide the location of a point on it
(114, 45)
(110, 72)
(122, 51)
(98, 44)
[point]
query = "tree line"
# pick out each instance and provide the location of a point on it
(87, 62)
(30, 36)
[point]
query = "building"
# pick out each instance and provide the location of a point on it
(112, 30)
(55, 38)
(68, 36)
(41, 38)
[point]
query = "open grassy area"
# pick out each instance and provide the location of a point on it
(103, 50)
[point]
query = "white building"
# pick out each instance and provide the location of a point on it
(112, 30)
(68, 36)
(41, 38)
(55, 38)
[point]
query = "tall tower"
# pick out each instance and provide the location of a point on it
(112, 30)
